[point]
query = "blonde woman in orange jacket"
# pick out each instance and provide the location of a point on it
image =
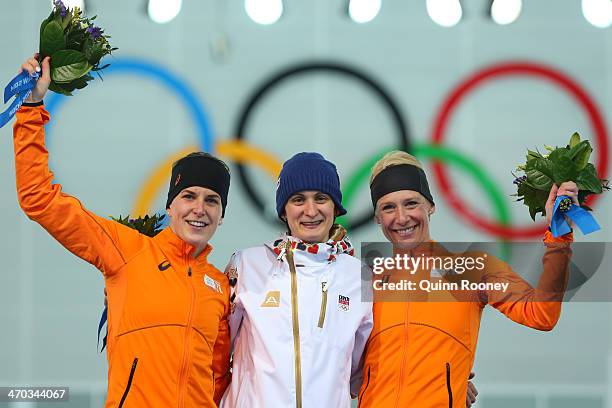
(168, 334)
(420, 353)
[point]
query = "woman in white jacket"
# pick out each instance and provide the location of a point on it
(298, 323)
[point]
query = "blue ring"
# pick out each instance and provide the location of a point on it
(165, 78)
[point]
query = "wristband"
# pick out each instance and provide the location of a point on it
(32, 104)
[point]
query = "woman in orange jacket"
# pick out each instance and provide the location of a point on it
(168, 335)
(420, 352)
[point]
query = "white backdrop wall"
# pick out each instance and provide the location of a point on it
(107, 140)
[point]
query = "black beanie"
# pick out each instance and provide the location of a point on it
(203, 170)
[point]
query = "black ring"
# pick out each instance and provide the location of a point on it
(310, 67)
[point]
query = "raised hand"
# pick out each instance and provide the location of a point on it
(31, 65)
(568, 188)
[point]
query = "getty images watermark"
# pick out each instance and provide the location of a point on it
(487, 271)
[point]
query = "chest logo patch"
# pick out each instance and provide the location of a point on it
(213, 284)
(272, 299)
(344, 303)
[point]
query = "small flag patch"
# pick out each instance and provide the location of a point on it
(343, 303)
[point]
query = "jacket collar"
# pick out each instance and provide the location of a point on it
(179, 250)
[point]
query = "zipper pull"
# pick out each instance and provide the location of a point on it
(324, 286)
(189, 271)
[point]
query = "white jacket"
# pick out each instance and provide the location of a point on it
(298, 336)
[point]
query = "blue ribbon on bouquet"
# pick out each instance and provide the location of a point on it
(581, 217)
(21, 86)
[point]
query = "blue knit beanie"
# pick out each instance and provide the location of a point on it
(308, 171)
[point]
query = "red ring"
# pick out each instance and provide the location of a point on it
(511, 69)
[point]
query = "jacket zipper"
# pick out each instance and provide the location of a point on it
(296, 328)
(186, 354)
(448, 385)
(323, 311)
(129, 383)
(365, 388)
(404, 353)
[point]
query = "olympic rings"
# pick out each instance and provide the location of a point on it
(449, 156)
(513, 69)
(168, 80)
(239, 152)
(243, 153)
(307, 68)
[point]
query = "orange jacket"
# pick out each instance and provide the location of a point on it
(420, 352)
(168, 336)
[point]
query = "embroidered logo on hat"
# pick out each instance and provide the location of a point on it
(178, 178)
(272, 299)
(210, 282)
(344, 303)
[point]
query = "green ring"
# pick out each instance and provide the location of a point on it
(447, 155)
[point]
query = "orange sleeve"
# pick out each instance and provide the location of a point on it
(538, 307)
(90, 237)
(221, 355)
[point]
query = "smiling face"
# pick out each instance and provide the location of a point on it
(310, 216)
(195, 214)
(404, 217)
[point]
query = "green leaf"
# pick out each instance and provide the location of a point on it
(42, 28)
(529, 196)
(564, 169)
(532, 213)
(65, 21)
(68, 65)
(57, 88)
(580, 153)
(541, 197)
(522, 189)
(538, 180)
(533, 155)
(574, 140)
(78, 83)
(94, 52)
(582, 196)
(587, 180)
(558, 153)
(76, 39)
(52, 39)
(543, 165)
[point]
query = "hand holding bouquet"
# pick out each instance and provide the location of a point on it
(75, 46)
(561, 164)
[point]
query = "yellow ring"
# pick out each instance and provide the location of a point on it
(237, 151)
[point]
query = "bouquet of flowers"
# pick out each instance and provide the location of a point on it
(75, 46)
(147, 225)
(568, 163)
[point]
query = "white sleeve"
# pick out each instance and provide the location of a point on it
(361, 338)
(232, 270)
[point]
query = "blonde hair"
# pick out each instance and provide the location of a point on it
(394, 158)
